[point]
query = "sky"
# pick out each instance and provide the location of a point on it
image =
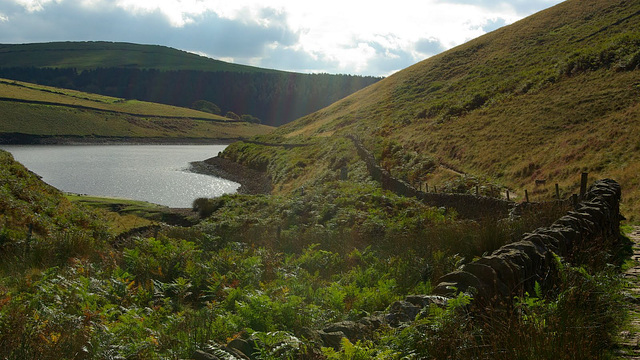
(375, 38)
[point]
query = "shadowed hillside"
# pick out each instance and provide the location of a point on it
(546, 98)
(101, 54)
(169, 76)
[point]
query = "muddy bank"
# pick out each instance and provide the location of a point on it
(251, 181)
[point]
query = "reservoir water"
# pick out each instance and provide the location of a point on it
(153, 173)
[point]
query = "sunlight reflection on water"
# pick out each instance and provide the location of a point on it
(154, 173)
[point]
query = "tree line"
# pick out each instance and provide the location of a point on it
(274, 98)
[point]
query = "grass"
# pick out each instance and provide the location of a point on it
(32, 92)
(122, 214)
(102, 116)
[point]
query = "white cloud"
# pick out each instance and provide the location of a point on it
(341, 30)
(330, 36)
(34, 5)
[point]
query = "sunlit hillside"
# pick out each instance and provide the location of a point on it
(546, 98)
(34, 113)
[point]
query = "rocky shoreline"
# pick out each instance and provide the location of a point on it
(251, 181)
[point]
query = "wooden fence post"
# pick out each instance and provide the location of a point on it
(583, 184)
(526, 195)
(344, 173)
(477, 190)
(557, 192)
(508, 195)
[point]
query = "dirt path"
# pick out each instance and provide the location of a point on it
(630, 337)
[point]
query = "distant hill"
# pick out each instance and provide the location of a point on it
(165, 75)
(546, 98)
(102, 54)
(31, 113)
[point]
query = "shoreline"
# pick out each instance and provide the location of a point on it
(252, 182)
(26, 139)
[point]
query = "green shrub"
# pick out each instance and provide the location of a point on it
(206, 106)
(231, 115)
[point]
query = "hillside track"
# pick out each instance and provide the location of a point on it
(629, 341)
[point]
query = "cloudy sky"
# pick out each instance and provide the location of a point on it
(333, 36)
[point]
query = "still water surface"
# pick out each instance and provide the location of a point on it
(154, 173)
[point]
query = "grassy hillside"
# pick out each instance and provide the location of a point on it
(95, 54)
(548, 97)
(169, 76)
(42, 111)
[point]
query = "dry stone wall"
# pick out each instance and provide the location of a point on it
(466, 205)
(516, 267)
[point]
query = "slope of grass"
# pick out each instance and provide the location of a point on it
(94, 54)
(45, 111)
(121, 214)
(19, 90)
(37, 217)
(548, 97)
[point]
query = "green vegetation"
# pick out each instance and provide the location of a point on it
(10, 89)
(124, 215)
(206, 106)
(54, 112)
(552, 326)
(268, 269)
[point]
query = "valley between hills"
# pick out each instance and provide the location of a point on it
(392, 223)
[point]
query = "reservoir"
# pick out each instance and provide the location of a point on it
(154, 173)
